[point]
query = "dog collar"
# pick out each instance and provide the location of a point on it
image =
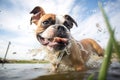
(61, 55)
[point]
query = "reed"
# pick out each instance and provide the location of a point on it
(110, 30)
(108, 51)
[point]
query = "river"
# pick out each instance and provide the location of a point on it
(40, 72)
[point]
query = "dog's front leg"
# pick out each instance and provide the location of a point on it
(54, 67)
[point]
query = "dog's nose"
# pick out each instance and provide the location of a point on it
(61, 31)
(61, 28)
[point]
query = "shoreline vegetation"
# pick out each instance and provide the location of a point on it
(22, 61)
(114, 58)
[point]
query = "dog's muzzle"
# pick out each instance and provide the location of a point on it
(55, 36)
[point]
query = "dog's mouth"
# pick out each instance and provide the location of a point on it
(57, 43)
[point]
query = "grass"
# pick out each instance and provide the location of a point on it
(109, 27)
(28, 61)
(24, 61)
(106, 61)
(108, 51)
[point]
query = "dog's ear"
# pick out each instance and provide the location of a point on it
(70, 21)
(37, 12)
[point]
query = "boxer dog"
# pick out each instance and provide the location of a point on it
(63, 51)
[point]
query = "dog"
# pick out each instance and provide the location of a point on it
(63, 51)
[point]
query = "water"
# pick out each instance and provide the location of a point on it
(22, 71)
(40, 72)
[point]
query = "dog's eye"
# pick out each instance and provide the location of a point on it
(66, 24)
(45, 23)
(48, 22)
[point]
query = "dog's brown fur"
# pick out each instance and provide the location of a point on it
(81, 51)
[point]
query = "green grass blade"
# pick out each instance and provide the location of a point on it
(108, 52)
(91, 77)
(110, 30)
(105, 65)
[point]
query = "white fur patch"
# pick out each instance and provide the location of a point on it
(59, 19)
(49, 32)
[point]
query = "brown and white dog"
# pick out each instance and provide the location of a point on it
(64, 52)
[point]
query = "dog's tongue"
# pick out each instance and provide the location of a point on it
(57, 40)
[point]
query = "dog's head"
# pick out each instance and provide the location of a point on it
(53, 31)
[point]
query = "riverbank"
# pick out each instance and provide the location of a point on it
(22, 61)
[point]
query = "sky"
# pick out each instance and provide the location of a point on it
(15, 23)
